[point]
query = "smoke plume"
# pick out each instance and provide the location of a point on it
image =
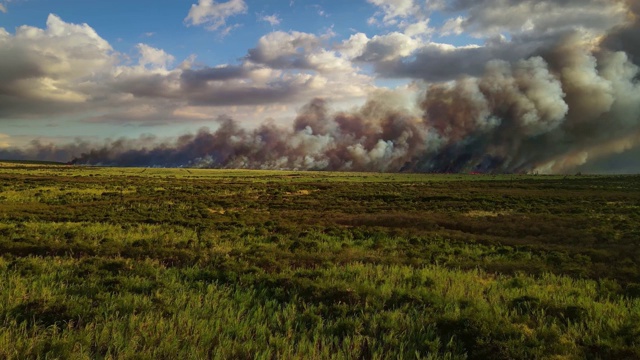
(568, 102)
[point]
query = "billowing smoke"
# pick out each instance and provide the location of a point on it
(569, 102)
(551, 112)
(374, 138)
(37, 150)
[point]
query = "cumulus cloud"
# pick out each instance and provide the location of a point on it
(284, 67)
(419, 28)
(297, 50)
(453, 26)
(68, 68)
(51, 66)
(154, 58)
(281, 49)
(213, 15)
(383, 48)
(353, 46)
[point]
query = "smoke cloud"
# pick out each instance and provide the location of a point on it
(570, 101)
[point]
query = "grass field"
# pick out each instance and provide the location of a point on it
(132, 263)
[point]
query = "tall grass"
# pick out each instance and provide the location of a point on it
(199, 264)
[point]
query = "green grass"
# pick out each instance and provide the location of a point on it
(128, 263)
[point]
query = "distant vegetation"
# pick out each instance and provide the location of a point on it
(29, 162)
(181, 263)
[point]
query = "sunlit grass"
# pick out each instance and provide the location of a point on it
(123, 263)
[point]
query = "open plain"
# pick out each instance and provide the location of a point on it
(144, 263)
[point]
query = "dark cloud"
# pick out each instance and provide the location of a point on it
(197, 78)
(147, 85)
(16, 64)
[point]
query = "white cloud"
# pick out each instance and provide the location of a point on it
(68, 68)
(214, 15)
(354, 45)
(419, 28)
(388, 47)
(453, 26)
(491, 17)
(154, 58)
(3, 8)
(273, 19)
(297, 50)
(48, 64)
(409, 16)
(391, 10)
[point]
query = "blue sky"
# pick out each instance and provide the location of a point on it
(161, 23)
(88, 70)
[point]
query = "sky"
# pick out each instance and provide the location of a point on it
(76, 71)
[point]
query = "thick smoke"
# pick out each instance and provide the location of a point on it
(551, 112)
(569, 103)
(372, 139)
(37, 150)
